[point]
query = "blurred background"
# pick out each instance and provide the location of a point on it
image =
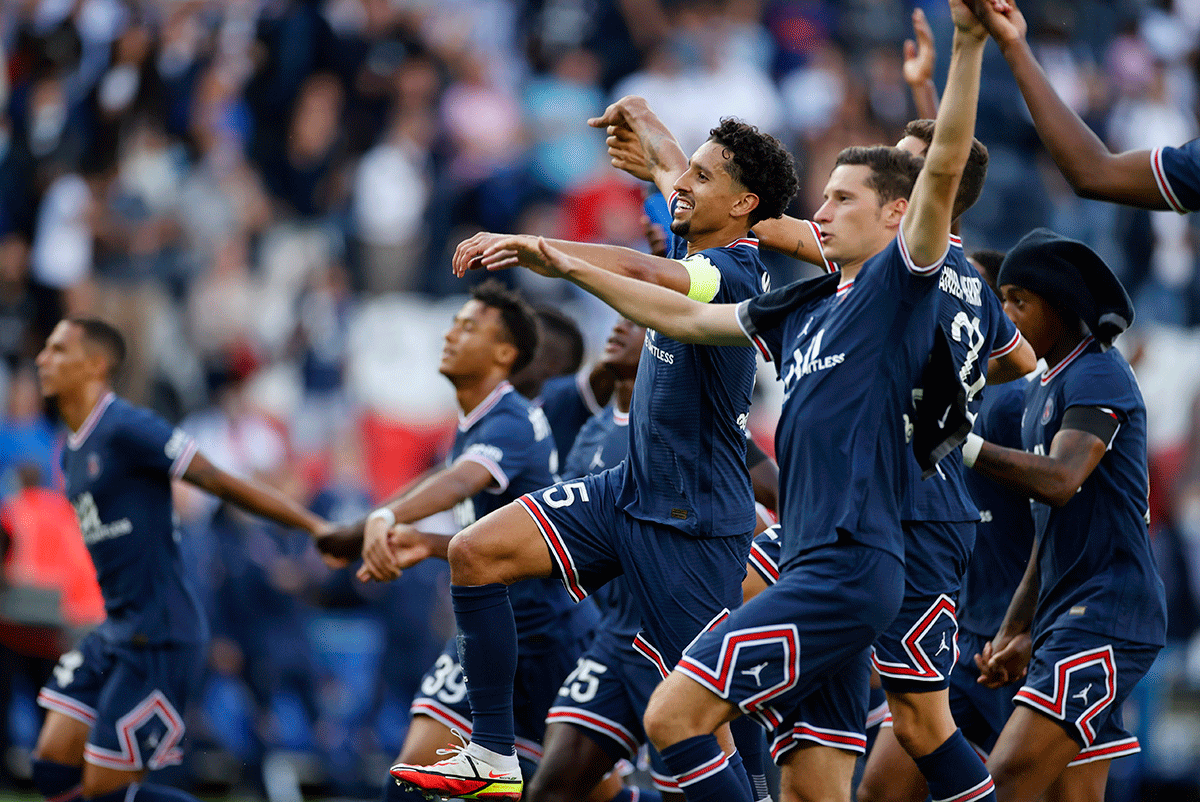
(264, 197)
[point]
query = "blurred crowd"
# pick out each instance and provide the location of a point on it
(264, 196)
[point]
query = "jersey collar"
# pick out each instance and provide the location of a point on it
(1049, 375)
(465, 422)
(76, 439)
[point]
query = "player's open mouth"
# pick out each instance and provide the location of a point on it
(683, 205)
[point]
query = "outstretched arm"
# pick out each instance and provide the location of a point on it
(656, 156)
(611, 258)
(926, 224)
(253, 497)
(670, 313)
(1091, 169)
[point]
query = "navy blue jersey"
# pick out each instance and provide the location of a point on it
(511, 438)
(976, 330)
(848, 363)
(568, 403)
(687, 440)
(1095, 566)
(1004, 534)
(118, 470)
(601, 444)
(1177, 172)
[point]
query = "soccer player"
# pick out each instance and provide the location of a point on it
(848, 368)
(114, 703)
(503, 448)
(1004, 536)
(1166, 178)
(676, 517)
(1091, 604)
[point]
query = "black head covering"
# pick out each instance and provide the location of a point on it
(1069, 275)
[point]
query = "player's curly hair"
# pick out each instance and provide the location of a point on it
(520, 321)
(893, 171)
(760, 163)
(974, 173)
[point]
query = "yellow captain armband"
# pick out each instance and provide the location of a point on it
(706, 279)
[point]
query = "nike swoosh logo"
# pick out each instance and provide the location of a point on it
(494, 776)
(942, 422)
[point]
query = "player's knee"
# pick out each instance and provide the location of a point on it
(667, 721)
(472, 562)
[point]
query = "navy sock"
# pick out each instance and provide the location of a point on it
(57, 782)
(954, 771)
(735, 763)
(703, 771)
(487, 649)
(143, 792)
(751, 742)
(632, 793)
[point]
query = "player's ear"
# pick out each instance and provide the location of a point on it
(744, 204)
(505, 353)
(893, 211)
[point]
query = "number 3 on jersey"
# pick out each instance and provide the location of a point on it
(582, 683)
(446, 681)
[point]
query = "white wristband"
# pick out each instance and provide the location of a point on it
(384, 514)
(971, 448)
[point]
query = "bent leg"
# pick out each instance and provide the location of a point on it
(890, 774)
(485, 558)
(58, 758)
(815, 773)
(1032, 751)
(680, 721)
(1083, 783)
(572, 765)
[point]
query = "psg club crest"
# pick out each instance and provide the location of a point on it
(93, 465)
(1048, 411)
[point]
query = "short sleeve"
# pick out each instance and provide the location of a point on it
(1177, 173)
(152, 443)
(503, 445)
(1100, 382)
(895, 270)
(1005, 338)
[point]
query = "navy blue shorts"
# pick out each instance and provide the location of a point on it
(1080, 679)
(606, 696)
(764, 554)
(918, 651)
(540, 670)
(806, 634)
(132, 697)
(683, 584)
(980, 712)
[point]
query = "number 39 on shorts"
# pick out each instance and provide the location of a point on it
(564, 495)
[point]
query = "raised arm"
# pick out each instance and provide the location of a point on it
(662, 160)
(253, 497)
(926, 225)
(1091, 169)
(670, 313)
(1013, 365)
(919, 59)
